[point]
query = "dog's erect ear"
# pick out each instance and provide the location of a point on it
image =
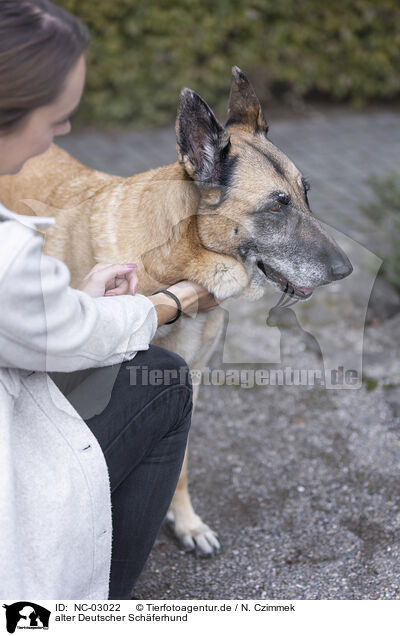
(244, 107)
(202, 142)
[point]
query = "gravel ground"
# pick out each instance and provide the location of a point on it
(302, 487)
(301, 483)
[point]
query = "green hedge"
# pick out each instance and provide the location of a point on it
(144, 51)
(385, 212)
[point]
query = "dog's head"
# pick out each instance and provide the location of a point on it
(253, 199)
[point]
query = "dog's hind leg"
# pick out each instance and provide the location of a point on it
(192, 533)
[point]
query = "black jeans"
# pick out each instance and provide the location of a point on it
(140, 412)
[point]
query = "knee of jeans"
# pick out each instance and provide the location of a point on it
(175, 368)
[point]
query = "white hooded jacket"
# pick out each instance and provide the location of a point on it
(55, 508)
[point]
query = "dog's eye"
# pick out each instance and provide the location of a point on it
(283, 198)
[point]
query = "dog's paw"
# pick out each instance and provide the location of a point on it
(229, 279)
(195, 536)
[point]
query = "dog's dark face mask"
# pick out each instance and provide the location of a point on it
(253, 202)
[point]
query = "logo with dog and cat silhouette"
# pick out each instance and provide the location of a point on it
(26, 615)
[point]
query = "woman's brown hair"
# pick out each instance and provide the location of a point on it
(39, 44)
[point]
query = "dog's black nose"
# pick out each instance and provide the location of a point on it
(341, 267)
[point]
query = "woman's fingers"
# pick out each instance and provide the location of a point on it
(110, 272)
(124, 283)
(133, 282)
(118, 287)
(110, 280)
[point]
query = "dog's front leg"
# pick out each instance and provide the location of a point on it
(192, 533)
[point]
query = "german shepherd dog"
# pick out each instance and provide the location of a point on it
(231, 214)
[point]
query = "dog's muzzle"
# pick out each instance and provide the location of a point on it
(286, 286)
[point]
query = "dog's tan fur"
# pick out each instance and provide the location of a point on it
(163, 221)
(103, 218)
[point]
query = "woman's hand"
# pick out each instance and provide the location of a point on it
(193, 298)
(110, 280)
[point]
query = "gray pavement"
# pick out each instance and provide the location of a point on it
(301, 483)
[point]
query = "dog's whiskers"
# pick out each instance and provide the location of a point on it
(280, 301)
(287, 299)
(293, 302)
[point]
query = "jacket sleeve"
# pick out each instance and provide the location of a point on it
(45, 325)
